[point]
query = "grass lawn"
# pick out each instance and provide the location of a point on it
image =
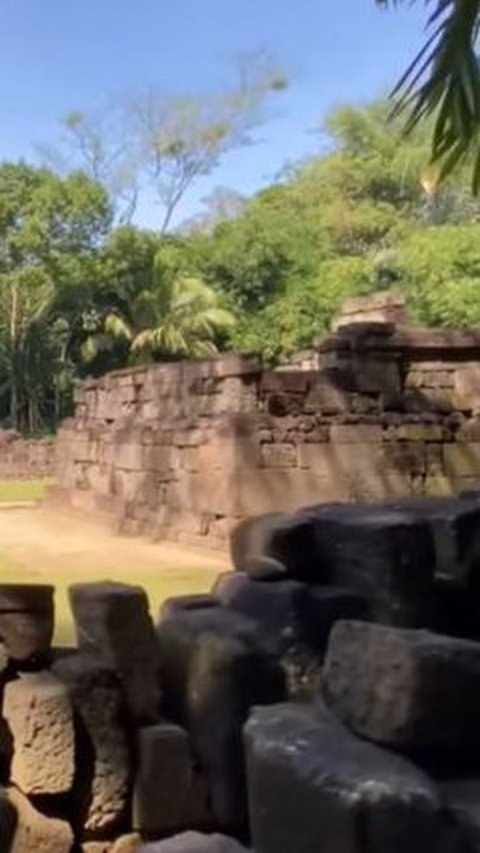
(38, 546)
(23, 490)
(158, 585)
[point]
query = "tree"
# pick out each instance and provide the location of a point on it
(443, 81)
(47, 228)
(172, 316)
(164, 143)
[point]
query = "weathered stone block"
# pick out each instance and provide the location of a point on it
(462, 459)
(455, 527)
(419, 432)
(227, 677)
(356, 433)
(163, 781)
(313, 783)
(405, 688)
(467, 389)
(38, 712)
(113, 623)
(290, 540)
(178, 637)
(384, 555)
(277, 608)
(36, 833)
(26, 620)
(102, 780)
(180, 603)
(279, 455)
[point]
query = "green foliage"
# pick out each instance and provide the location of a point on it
(169, 315)
(443, 81)
(78, 298)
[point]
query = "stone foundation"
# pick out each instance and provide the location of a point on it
(184, 451)
(26, 458)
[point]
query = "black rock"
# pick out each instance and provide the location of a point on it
(386, 556)
(269, 546)
(214, 669)
(455, 526)
(414, 690)
(314, 786)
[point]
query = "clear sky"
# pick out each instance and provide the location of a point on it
(59, 55)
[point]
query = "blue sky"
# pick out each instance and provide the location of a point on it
(59, 55)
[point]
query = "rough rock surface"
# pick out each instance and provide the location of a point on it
(314, 786)
(385, 555)
(36, 833)
(405, 687)
(101, 791)
(285, 544)
(163, 781)
(26, 620)
(113, 623)
(38, 711)
(227, 678)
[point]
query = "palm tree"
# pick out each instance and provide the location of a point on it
(179, 316)
(444, 81)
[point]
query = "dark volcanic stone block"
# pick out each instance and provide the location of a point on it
(456, 531)
(386, 556)
(163, 781)
(26, 620)
(289, 611)
(178, 636)
(277, 608)
(265, 545)
(313, 786)
(113, 623)
(406, 688)
(227, 678)
(214, 669)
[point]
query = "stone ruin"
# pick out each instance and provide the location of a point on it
(324, 697)
(377, 410)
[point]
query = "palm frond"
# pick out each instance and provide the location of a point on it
(444, 81)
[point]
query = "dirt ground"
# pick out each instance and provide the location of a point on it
(42, 545)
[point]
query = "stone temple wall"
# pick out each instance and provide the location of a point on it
(26, 458)
(184, 451)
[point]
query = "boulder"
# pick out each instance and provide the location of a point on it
(113, 623)
(267, 547)
(35, 832)
(385, 555)
(163, 780)
(26, 620)
(462, 800)
(102, 780)
(195, 842)
(412, 689)
(314, 786)
(38, 711)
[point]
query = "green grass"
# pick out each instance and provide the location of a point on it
(12, 491)
(158, 584)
